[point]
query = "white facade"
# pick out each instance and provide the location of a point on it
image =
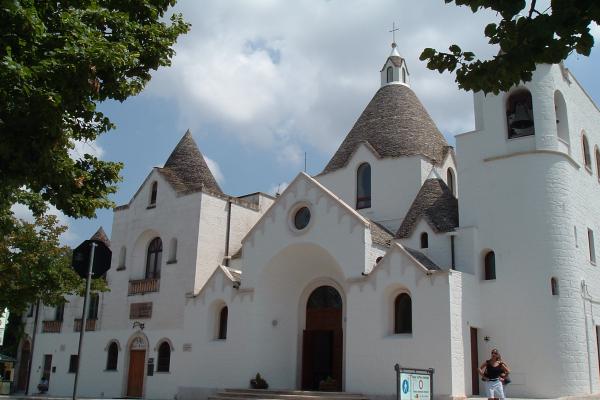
(529, 199)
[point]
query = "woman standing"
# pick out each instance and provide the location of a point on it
(493, 372)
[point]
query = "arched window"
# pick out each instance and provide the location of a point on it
(153, 259)
(450, 180)
(554, 286)
(363, 186)
(223, 314)
(598, 162)
(562, 122)
(173, 251)
(587, 160)
(489, 266)
(153, 192)
(403, 314)
(390, 74)
(164, 357)
(122, 256)
(403, 75)
(112, 357)
(424, 240)
(519, 114)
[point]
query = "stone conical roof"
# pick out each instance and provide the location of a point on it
(186, 170)
(434, 202)
(395, 124)
(100, 235)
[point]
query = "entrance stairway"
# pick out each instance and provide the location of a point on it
(258, 394)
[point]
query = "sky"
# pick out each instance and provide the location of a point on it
(260, 83)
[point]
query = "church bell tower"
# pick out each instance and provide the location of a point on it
(394, 71)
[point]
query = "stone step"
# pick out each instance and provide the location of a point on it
(260, 394)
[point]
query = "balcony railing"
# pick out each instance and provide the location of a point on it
(90, 325)
(142, 286)
(51, 326)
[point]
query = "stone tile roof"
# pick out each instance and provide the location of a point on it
(100, 235)
(380, 235)
(434, 202)
(186, 170)
(423, 259)
(395, 124)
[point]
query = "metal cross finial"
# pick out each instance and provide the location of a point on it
(393, 31)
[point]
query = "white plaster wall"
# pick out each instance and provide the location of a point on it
(522, 198)
(213, 230)
(439, 250)
(394, 184)
(372, 349)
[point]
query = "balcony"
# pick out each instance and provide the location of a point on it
(142, 286)
(51, 326)
(90, 325)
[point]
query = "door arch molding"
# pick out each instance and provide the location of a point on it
(127, 361)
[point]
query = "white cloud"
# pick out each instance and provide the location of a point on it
(215, 169)
(68, 237)
(280, 75)
(595, 31)
(86, 147)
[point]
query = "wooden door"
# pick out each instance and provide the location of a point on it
(323, 344)
(474, 362)
(24, 366)
(47, 367)
(135, 378)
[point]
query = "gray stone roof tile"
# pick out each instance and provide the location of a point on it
(100, 235)
(186, 170)
(380, 235)
(395, 124)
(423, 259)
(434, 202)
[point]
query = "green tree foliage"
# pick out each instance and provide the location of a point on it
(34, 266)
(526, 36)
(58, 59)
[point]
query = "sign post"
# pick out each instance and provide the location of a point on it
(414, 383)
(88, 265)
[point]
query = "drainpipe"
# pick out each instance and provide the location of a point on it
(452, 252)
(227, 231)
(30, 361)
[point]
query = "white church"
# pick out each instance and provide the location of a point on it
(403, 250)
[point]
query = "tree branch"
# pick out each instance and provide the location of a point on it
(532, 8)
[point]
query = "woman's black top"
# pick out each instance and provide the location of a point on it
(493, 372)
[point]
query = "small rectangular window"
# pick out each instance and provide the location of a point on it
(591, 246)
(73, 361)
(60, 313)
(93, 307)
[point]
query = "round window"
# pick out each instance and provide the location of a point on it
(302, 218)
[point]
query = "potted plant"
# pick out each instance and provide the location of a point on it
(328, 385)
(258, 383)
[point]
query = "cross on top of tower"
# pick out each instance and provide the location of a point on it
(393, 32)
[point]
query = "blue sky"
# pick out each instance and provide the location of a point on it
(260, 83)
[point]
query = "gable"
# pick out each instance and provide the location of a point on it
(303, 177)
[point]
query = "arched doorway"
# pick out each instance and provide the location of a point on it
(24, 365)
(322, 344)
(137, 361)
